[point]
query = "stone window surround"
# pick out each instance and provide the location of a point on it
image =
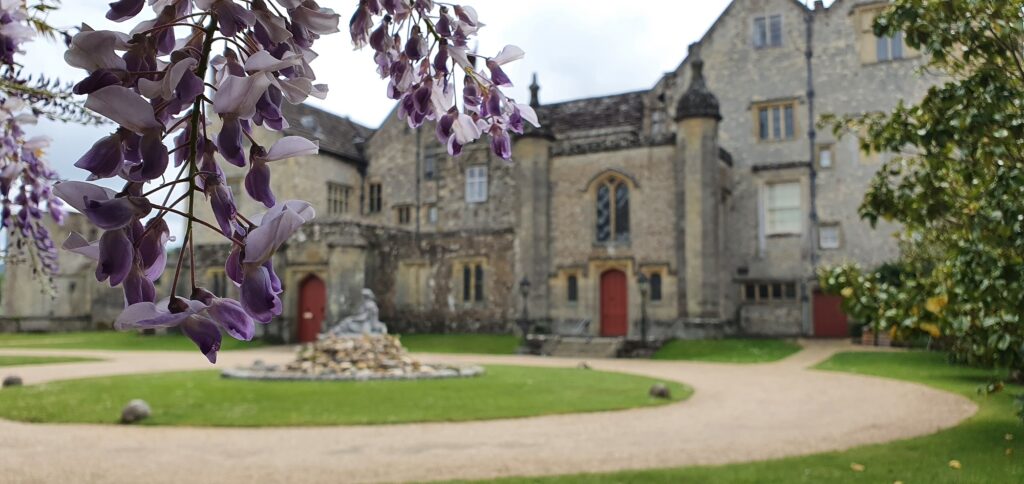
(838, 235)
(572, 288)
(822, 148)
(477, 179)
(403, 214)
(766, 209)
(431, 160)
(765, 291)
(863, 17)
(767, 22)
(374, 197)
(432, 215)
(769, 106)
(612, 178)
(663, 270)
(475, 265)
(338, 198)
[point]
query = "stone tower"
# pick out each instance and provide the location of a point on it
(532, 154)
(699, 198)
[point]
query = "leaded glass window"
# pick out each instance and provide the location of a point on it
(613, 211)
(604, 213)
(621, 213)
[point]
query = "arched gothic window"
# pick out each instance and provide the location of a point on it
(613, 211)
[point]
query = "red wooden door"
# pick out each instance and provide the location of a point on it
(829, 319)
(614, 304)
(312, 306)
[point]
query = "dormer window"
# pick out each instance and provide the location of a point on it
(768, 31)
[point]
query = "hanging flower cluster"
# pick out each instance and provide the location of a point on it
(26, 198)
(163, 82)
(151, 82)
(422, 65)
(26, 183)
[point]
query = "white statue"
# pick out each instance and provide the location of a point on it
(364, 322)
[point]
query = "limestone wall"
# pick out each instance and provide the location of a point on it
(78, 302)
(300, 178)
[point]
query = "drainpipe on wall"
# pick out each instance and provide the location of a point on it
(812, 135)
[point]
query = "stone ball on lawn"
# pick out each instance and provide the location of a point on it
(660, 390)
(136, 411)
(12, 381)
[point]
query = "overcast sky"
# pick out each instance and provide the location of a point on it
(578, 49)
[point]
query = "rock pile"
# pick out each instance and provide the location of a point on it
(362, 357)
(355, 354)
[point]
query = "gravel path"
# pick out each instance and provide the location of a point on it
(738, 413)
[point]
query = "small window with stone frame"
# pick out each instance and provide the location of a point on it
(572, 288)
(826, 156)
(472, 282)
(338, 196)
(767, 31)
(654, 282)
(875, 49)
(775, 121)
(768, 292)
(430, 159)
(404, 214)
(375, 201)
(476, 184)
(829, 236)
(783, 210)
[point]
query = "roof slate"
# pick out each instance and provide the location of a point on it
(338, 136)
(615, 111)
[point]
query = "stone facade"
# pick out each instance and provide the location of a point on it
(75, 301)
(721, 192)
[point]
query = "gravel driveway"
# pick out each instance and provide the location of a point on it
(738, 413)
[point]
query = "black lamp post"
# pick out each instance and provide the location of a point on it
(643, 283)
(524, 319)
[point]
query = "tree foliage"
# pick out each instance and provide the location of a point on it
(956, 186)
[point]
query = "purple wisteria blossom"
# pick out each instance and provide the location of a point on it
(26, 197)
(421, 71)
(161, 81)
(240, 60)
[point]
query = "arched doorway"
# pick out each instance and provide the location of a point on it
(312, 308)
(614, 304)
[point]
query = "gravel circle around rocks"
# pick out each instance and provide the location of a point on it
(275, 374)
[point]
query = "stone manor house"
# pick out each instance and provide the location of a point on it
(715, 185)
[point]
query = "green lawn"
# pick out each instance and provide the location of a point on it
(40, 360)
(205, 399)
(484, 344)
(728, 350)
(112, 340)
(980, 444)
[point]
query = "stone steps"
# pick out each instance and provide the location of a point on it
(582, 347)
